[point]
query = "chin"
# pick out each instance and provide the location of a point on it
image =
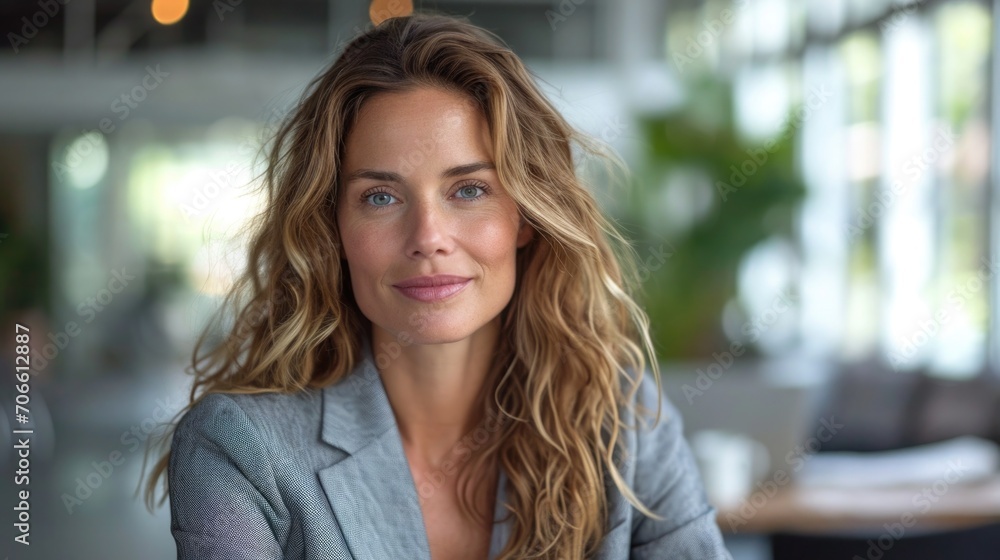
(443, 328)
(437, 334)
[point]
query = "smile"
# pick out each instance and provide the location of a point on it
(433, 293)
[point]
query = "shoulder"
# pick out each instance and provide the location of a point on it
(666, 480)
(225, 490)
(249, 422)
(261, 408)
(658, 456)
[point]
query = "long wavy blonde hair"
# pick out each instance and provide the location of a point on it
(574, 343)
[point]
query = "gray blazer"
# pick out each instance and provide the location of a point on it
(321, 474)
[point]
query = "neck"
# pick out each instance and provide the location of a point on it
(436, 390)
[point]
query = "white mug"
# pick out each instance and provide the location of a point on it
(730, 464)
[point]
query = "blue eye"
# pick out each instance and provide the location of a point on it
(379, 199)
(470, 190)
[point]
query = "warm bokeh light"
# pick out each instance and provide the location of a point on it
(381, 10)
(169, 11)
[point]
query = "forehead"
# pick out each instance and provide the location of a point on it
(402, 130)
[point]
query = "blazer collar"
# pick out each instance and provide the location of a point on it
(371, 490)
(356, 410)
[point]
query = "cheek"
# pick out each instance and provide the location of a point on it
(364, 249)
(495, 240)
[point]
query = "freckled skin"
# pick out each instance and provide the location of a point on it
(463, 225)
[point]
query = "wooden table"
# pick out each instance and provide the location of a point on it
(826, 510)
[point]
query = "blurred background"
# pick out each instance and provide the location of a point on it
(813, 197)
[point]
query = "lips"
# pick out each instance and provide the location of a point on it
(432, 288)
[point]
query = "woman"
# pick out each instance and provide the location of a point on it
(438, 355)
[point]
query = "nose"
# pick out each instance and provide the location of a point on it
(429, 229)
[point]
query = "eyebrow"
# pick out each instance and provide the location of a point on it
(389, 176)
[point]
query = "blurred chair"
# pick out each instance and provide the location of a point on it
(945, 408)
(884, 409)
(875, 404)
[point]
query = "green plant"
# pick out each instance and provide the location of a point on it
(24, 272)
(747, 192)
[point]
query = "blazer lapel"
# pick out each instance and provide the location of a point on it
(371, 490)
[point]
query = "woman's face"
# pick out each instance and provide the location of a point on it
(419, 197)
